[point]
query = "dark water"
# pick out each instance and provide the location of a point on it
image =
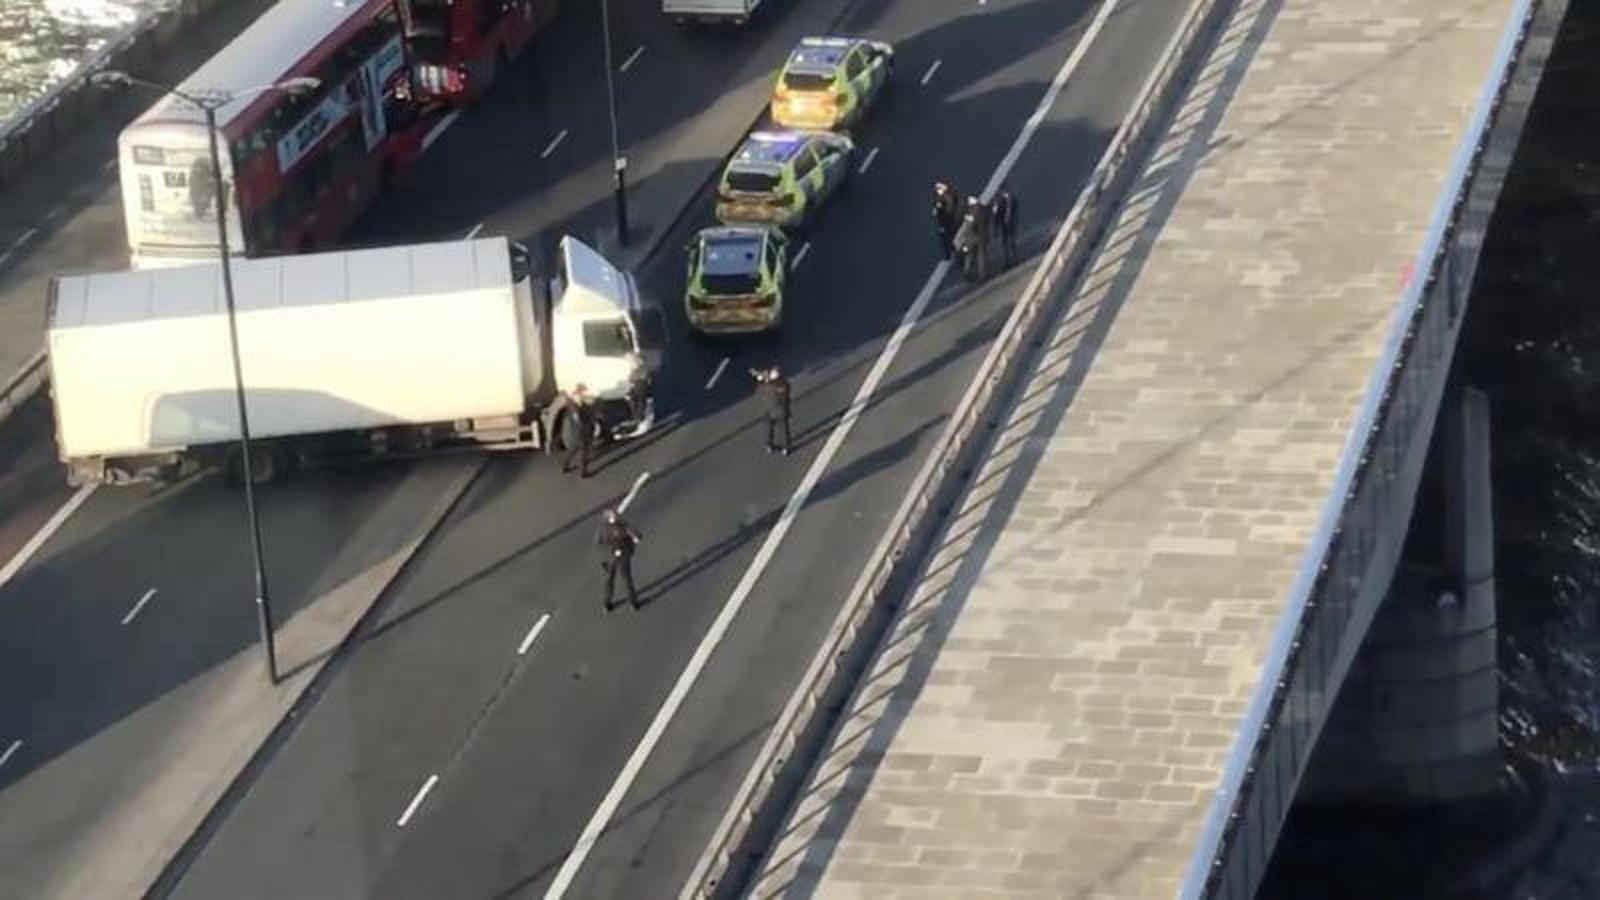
(1532, 341)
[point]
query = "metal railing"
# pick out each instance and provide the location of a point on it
(1362, 528)
(23, 385)
(53, 118)
(802, 728)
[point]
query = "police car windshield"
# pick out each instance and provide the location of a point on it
(732, 266)
(748, 180)
(807, 81)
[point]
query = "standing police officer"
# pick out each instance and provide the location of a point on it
(972, 239)
(946, 216)
(1005, 219)
(777, 389)
(618, 540)
(580, 427)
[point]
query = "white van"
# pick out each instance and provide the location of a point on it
(684, 12)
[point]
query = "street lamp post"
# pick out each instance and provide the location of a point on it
(209, 102)
(619, 163)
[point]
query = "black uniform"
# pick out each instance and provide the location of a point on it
(618, 540)
(946, 216)
(1005, 219)
(580, 437)
(777, 387)
(639, 387)
(972, 240)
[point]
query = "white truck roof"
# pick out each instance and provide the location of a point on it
(595, 287)
(281, 282)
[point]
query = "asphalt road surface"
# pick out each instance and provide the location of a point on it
(516, 751)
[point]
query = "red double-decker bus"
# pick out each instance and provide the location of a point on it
(458, 47)
(298, 169)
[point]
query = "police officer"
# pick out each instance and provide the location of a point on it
(618, 540)
(972, 238)
(580, 426)
(639, 387)
(946, 216)
(777, 389)
(1005, 219)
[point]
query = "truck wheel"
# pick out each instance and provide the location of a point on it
(264, 465)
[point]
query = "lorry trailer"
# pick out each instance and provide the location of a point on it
(380, 352)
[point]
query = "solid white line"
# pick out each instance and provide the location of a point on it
(533, 634)
(417, 800)
(719, 627)
(433, 134)
(6, 756)
(138, 606)
(932, 69)
(474, 232)
(804, 249)
(628, 63)
(26, 237)
(721, 367)
(554, 144)
(867, 163)
(52, 525)
(633, 491)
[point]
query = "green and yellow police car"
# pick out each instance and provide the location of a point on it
(735, 281)
(782, 177)
(829, 82)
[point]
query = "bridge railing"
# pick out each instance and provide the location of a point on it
(40, 127)
(1364, 525)
(802, 728)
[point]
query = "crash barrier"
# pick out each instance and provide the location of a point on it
(802, 730)
(23, 385)
(38, 129)
(1364, 524)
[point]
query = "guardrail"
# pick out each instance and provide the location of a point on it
(1364, 524)
(23, 385)
(801, 731)
(34, 131)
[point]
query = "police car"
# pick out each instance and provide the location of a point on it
(736, 277)
(782, 177)
(829, 82)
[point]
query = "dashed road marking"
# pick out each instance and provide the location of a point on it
(474, 232)
(6, 756)
(533, 635)
(433, 134)
(721, 367)
(804, 249)
(416, 801)
(633, 491)
(554, 144)
(138, 606)
(867, 163)
(932, 69)
(628, 63)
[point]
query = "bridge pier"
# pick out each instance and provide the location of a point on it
(1416, 721)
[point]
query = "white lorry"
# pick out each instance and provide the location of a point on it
(368, 352)
(737, 12)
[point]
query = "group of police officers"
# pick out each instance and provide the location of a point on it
(966, 229)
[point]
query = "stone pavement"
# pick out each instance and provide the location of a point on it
(1051, 711)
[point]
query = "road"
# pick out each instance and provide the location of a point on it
(524, 746)
(440, 761)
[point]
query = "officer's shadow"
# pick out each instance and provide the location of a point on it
(690, 566)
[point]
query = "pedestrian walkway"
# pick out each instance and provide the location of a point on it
(1052, 709)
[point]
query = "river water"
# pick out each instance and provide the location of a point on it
(1532, 341)
(42, 41)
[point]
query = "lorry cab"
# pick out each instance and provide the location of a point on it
(603, 336)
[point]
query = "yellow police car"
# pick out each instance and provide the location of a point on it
(736, 278)
(782, 177)
(829, 82)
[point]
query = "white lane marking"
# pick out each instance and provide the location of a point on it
(554, 144)
(721, 367)
(932, 69)
(474, 232)
(26, 237)
(433, 134)
(110, 164)
(416, 801)
(804, 249)
(628, 63)
(533, 635)
(867, 163)
(138, 606)
(719, 627)
(633, 491)
(51, 526)
(6, 756)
